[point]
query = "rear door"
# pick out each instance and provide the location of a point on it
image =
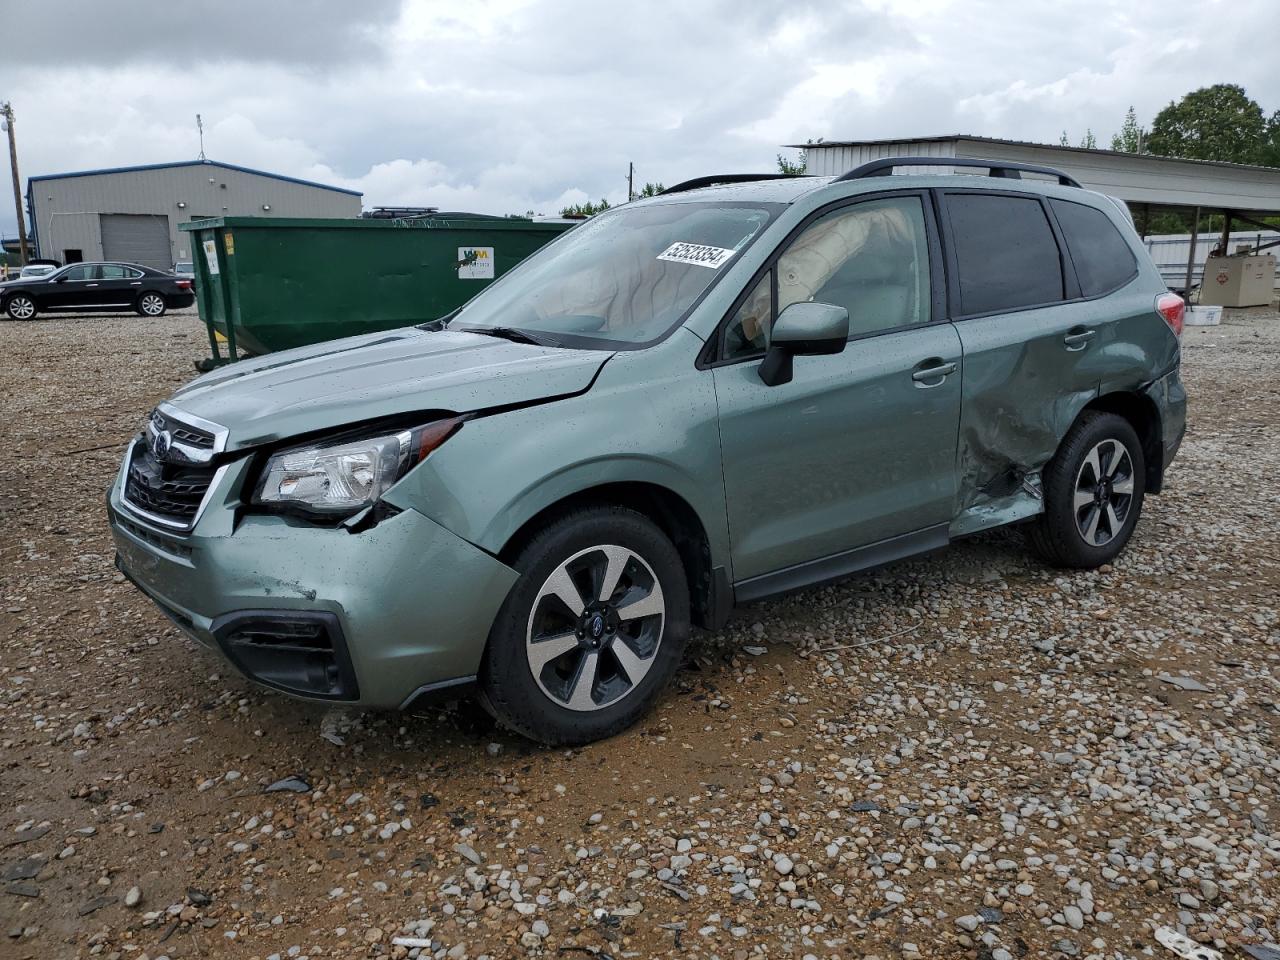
(1026, 347)
(118, 285)
(858, 450)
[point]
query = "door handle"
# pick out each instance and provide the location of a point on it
(90, 284)
(932, 375)
(136, 283)
(1079, 339)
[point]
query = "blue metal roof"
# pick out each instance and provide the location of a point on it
(192, 163)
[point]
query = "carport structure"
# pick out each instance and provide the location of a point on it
(1243, 194)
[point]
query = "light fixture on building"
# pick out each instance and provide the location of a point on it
(182, 205)
(266, 207)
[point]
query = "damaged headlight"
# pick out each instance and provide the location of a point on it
(341, 478)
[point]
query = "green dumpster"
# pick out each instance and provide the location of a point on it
(265, 284)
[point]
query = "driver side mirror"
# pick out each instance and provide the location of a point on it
(805, 328)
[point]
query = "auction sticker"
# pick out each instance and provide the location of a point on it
(697, 254)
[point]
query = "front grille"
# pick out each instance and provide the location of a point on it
(167, 544)
(169, 491)
(181, 432)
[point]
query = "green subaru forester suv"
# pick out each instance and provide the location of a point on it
(744, 386)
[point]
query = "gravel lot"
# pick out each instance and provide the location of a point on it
(967, 755)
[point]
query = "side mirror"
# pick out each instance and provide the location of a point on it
(805, 328)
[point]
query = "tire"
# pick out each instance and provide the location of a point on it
(1089, 530)
(538, 651)
(151, 304)
(20, 307)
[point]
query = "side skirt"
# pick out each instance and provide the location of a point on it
(840, 565)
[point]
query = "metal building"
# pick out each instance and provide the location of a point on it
(1242, 193)
(132, 213)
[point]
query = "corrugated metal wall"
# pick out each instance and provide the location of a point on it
(67, 210)
(831, 161)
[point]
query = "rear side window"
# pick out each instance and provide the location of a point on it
(1102, 259)
(1006, 254)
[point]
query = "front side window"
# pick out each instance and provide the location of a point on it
(625, 277)
(81, 272)
(872, 258)
(1006, 255)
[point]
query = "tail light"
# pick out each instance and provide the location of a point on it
(1173, 308)
(184, 284)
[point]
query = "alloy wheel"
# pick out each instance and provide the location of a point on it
(21, 308)
(153, 304)
(595, 628)
(1104, 493)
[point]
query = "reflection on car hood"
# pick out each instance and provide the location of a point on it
(330, 385)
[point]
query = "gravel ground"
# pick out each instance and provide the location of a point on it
(966, 755)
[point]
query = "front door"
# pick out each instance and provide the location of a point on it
(71, 288)
(859, 449)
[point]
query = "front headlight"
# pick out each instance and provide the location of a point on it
(341, 478)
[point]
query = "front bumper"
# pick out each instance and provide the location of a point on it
(370, 618)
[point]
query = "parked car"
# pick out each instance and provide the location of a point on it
(96, 288)
(184, 269)
(36, 270)
(689, 402)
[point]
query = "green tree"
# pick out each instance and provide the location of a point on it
(1271, 147)
(1212, 123)
(650, 190)
(587, 209)
(1129, 139)
(1088, 141)
(1063, 141)
(793, 168)
(798, 167)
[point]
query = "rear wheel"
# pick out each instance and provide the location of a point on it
(152, 305)
(1093, 489)
(20, 307)
(591, 632)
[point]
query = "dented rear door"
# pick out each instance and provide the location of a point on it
(1025, 347)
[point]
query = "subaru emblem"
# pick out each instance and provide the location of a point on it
(161, 443)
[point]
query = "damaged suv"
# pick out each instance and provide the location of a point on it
(741, 387)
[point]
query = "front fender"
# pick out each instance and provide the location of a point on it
(649, 418)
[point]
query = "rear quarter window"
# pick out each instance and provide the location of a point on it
(1103, 260)
(1006, 255)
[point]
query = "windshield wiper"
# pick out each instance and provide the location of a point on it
(514, 335)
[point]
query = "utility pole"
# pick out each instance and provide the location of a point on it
(6, 111)
(631, 174)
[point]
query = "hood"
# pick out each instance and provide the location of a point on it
(340, 382)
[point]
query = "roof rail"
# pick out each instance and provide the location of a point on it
(1004, 169)
(699, 182)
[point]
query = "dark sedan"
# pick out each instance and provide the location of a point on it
(96, 288)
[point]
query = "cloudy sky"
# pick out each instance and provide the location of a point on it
(504, 106)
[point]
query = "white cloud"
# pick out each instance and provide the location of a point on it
(514, 105)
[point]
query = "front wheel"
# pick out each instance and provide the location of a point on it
(152, 305)
(591, 632)
(1093, 490)
(20, 307)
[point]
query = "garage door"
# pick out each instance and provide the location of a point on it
(137, 238)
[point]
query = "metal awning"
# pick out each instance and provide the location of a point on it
(1243, 193)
